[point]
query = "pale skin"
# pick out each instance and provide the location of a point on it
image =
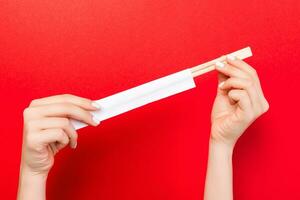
(239, 102)
(47, 130)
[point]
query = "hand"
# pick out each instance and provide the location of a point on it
(239, 101)
(47, 129)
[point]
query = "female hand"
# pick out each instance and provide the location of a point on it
(239, 101)
(47, 129)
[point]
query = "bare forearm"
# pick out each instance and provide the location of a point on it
(218, 184)
(32, 186)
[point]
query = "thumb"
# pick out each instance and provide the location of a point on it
(221, 79)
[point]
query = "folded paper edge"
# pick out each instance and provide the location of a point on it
(161, 88)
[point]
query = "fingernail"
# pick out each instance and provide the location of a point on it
(96, 121)
(96, 105)
(221, 84)
(75, 145)
(219, 64)
(231, 57)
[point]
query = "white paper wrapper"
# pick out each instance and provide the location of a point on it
(141, 95)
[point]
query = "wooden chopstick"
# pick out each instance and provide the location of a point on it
(209, 66)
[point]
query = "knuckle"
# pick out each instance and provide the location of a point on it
(65, 107)
(33, 102)
(26, 112)
(87, 116)
(65, 122)
(67, 95)
(266, 107)
(253, 72)
(248, 77)
(29, 125)
(249, 83)
(230, 93)
(65, 141)
(60, 133)
(68, 106)
(30, 113)
(84, 101)
(81, 112)
(229, 69)
(259, 111)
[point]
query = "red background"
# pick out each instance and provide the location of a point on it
(96, 48)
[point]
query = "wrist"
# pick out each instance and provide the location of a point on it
(221, 145)
(222, 139)
(29, 171)
(32, 185)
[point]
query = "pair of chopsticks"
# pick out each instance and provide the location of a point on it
(209, 66)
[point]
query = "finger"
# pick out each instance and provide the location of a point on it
(61, 110)
(52, 136)
(221, 78)
(53, 148)
(242, 98)
(67, 98)
(55, 122)
(234, 82)
(240, 64)
(243, 84)
(230, 70)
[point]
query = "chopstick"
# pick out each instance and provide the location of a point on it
(209, 66)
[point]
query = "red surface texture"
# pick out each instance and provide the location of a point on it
(97, 48)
